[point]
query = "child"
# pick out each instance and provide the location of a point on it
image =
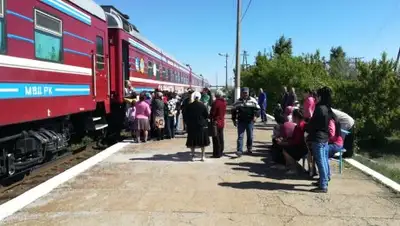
(131, 112)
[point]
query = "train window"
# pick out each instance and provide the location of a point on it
(2, 28)
(48, 35)
(99, 53)
(149, 68)
(169, 75)
(158, 71)
(164, 73)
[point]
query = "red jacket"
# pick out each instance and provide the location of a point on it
(218, 111)
(298, 134)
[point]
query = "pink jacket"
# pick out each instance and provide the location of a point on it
(338, 140)
(309, 107)
(143, 110)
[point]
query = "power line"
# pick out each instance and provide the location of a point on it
(245, 12)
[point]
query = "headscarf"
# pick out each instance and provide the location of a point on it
(196, 95)
(218, 93)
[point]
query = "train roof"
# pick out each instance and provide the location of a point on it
(91, 7)
(117, 19)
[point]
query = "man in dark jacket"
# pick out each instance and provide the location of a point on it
(245, 111)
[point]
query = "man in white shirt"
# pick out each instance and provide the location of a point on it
(346, 123)
(345, 120)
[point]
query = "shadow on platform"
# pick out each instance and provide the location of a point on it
(268, 168)
(264, 186)
(175, 157)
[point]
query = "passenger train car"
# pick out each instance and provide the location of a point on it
(62, 70)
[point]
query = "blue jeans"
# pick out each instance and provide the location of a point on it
(333, 148)
(241, 128)
(170, 126)
(320, 151)
(263, 115)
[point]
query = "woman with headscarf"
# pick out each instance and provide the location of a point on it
(196, 116)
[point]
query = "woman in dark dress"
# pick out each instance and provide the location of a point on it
(196, 116)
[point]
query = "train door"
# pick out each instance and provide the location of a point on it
(125, 60)
(100, 77)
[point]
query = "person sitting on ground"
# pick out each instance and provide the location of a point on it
(285, 132)
(294, 148)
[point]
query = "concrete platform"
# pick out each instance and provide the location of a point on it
(155, 184)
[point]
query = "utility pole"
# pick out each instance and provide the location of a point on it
(226, 68)
(237, 75)
(216, 77)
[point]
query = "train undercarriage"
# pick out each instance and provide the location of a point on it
(28, 145)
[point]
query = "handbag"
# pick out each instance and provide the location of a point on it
(212, 129)
(159, 122)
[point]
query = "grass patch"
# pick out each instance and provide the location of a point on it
(381, 167)
(383, 157)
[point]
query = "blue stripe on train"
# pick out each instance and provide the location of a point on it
(69, 10)
(30, 90)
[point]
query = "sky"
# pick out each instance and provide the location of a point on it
(194, 32)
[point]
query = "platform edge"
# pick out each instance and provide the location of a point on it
(19, 202)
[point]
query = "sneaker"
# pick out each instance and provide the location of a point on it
(239, 154)
(249, 151)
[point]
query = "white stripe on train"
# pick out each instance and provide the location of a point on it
(151, 81)
(24, 63)
(29, 64)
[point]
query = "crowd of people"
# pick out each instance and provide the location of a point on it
(156, 115)
(315, 129)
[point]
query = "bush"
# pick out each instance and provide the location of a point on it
(368, 91)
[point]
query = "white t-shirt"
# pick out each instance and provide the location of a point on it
(345, 120)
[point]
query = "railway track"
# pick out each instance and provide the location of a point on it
(13, 187)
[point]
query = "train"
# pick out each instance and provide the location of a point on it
(63, 65)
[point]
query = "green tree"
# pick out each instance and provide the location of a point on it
(368, 91)
(282, 46)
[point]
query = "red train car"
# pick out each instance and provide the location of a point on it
(137, 60)
(53, 77)
(63, 65)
